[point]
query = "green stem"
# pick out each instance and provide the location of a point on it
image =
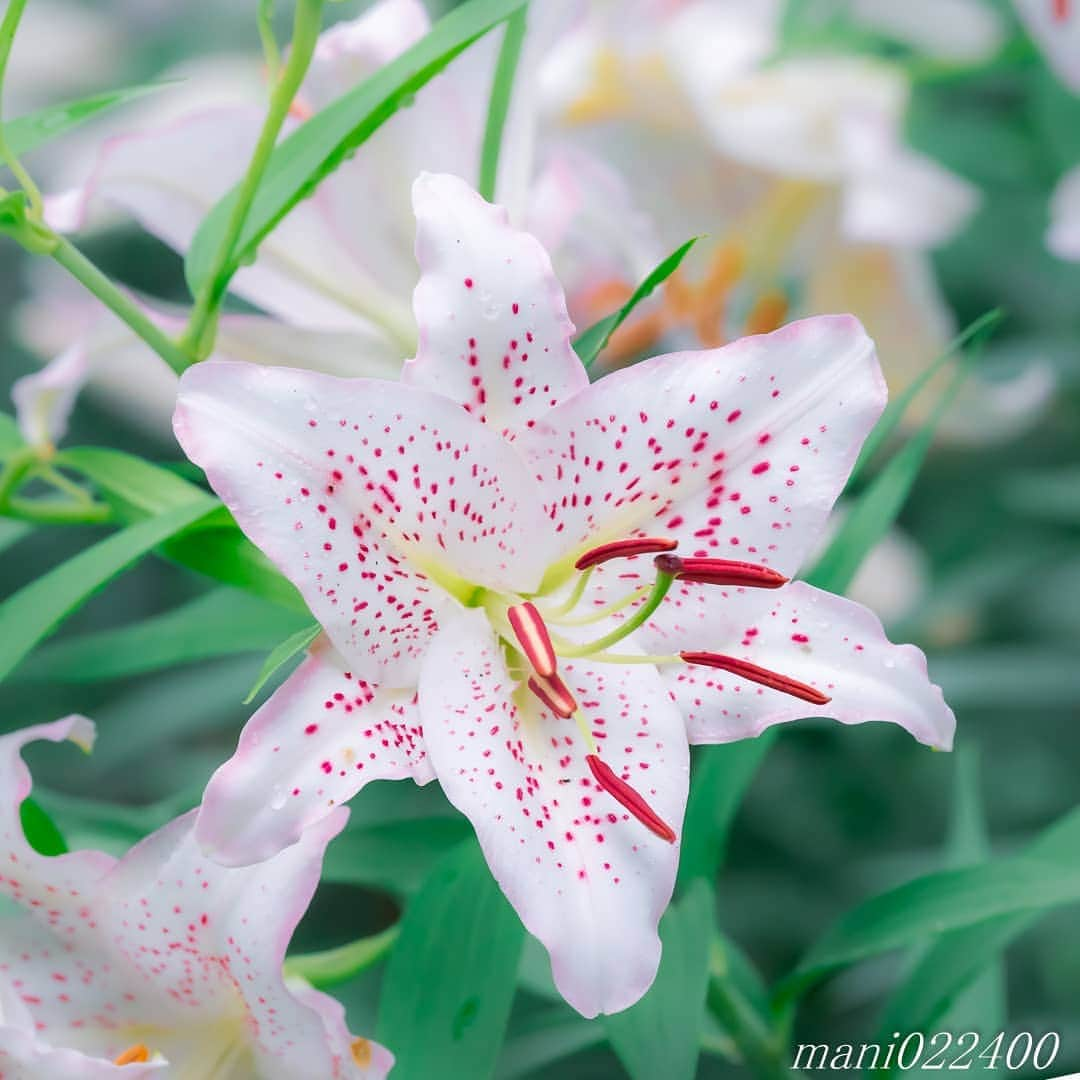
(323, 969)
(91, 278)
(656, 598)
(761, 1049)
(271, 52)
(197, 339)
(56, 511)
(7, 39)
(499, 104)
(18, 465)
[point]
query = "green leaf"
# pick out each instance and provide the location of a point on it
(334, 966)
(133, 487)
(546, 1037)
(26, 133)
(216, 548)
(1045, 876)
(282, 653)
(10, 437)
(661, 1034)
(874, 512)
(982, 1007)
(398, 855)
(502, 87)
(307, 156)
(718, 782)
(974, 335)
(11, 532)
(593, 341)
(449, 985)
(36, 609)
(219, 623)
(40, 830)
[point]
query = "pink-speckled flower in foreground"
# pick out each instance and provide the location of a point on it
(478, 543)
(162, 962)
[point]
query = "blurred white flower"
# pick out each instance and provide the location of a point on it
(1063, 235)
(44, 400)
(796, 167)
(965, 31)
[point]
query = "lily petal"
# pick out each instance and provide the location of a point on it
(44, 400)
(165, 947)
(894, 195)
(368, 495)
(814, 637)
(737, 452)
(494, 332)
(321, 737)
(586, 878)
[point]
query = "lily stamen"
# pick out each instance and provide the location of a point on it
(533, 637)
(720, 572)
(624, 549)
(133, 1055)
(630, 799)
(601, 613)
(763, 676)
(660, 589)
(555, 694)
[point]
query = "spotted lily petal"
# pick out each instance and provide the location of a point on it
(321, 737)
(166, 949)
(369, 496)
(738, 452)
(586, 878)
(494, 332)
(832, 644)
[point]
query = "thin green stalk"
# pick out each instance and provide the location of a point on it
(271, 52)
(15, 471)
(761, 1049)
(502, 87)
(656, 598)
(7, 38)
(90, 277)
(56, 511)
(323, 969)
(197, 339)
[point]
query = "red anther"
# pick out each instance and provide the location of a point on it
(624, 794)
(533, 637)
(745, 670)
(622, 549)
(555, 694)
(1061, 10)
(720, 572)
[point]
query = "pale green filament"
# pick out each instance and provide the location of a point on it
(656, 598)
(603, 612)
